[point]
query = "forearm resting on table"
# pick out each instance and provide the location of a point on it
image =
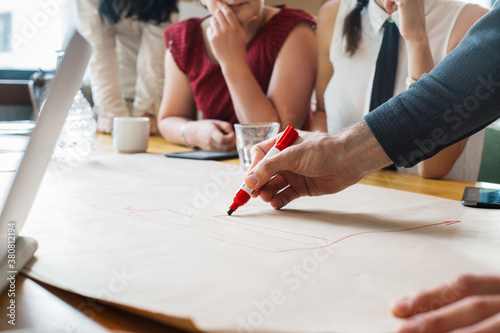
(171, 127)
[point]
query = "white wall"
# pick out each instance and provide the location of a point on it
(191, 8)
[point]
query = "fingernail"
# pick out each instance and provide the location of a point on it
(251, 180)
(402, 307)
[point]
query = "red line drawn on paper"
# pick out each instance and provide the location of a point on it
(374, 232)
(236, 232)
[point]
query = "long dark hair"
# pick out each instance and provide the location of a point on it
(352, 28)
(154, 11)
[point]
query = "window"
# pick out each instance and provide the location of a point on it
(31, 31)
(5, 32)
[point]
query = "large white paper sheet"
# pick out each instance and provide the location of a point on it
(150, 233)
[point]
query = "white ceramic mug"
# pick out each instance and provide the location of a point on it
(130, 134)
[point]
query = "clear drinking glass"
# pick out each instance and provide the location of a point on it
(247, 135)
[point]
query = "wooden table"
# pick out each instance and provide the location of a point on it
(49, 309)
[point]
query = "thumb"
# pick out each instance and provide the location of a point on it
(224, 126)
(262, 169)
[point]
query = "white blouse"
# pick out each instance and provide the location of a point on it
(126, 63)
(347, 96)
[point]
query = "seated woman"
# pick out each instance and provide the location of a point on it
(247, 63)
(350, 39)
(127, 61)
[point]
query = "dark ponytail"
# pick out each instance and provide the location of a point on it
(153, 11)
(352, 28)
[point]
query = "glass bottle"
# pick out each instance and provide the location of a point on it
(78, 134)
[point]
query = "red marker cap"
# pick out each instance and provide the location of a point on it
(287, 138)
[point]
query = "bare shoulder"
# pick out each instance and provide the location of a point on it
(329, 10)
(301, 42)
(326, 22)
(303, 37)
(467, 17)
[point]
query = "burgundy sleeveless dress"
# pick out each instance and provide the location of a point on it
(211, 95)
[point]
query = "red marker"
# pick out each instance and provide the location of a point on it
(244, 193)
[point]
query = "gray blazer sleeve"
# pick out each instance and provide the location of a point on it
(458, 98)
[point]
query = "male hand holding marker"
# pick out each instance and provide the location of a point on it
(317, 164)
(244, 193)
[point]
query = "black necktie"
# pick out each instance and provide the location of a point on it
(387, 64)
(385, 71)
